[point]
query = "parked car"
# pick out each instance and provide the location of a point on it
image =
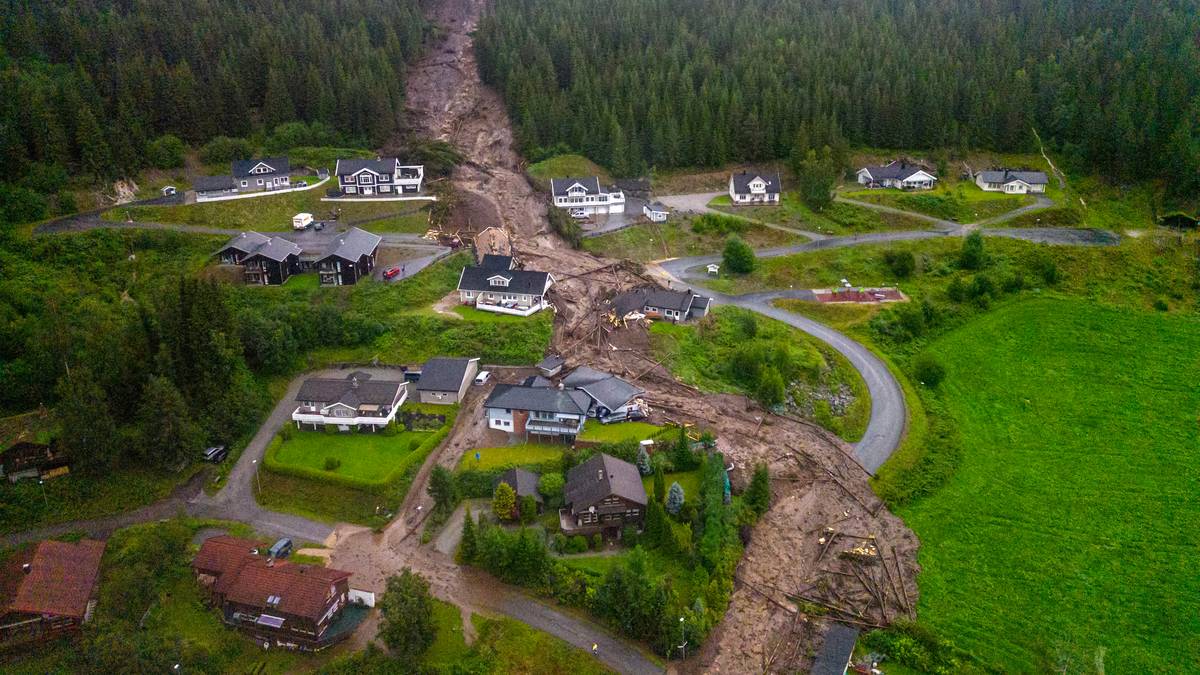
(578, 213)
(318, 226)
(300, 183)
(391, 273)
(483, 377)
(281, 548)
(216, 454)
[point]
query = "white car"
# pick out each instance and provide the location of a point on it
(578, 213)
(483, 377)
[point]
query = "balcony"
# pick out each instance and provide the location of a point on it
(510, 306)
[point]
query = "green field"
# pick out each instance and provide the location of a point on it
(368, 457)
(963, 203)
(512, 455)
(675, 238)
(1066, 536)
(619, 431)
(688, 480)
(567, 166)
(837, 218)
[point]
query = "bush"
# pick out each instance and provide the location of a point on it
(577, 544)
(771, 389)
(527, 509)
(738, 256)
(332, 463)
(629, 535)
(929, 371)
(972, 255)
(900, 263)
(165, 152)
(559, 542)
(711, 223)
(597, 541)
(1160, 305)
(222, 150)
(287, 432)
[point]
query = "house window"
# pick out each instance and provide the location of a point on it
(350, 189)
(365, 179)
(244, 183)
(260, 181)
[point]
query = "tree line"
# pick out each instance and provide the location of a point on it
(1112, 86)
(88, 86)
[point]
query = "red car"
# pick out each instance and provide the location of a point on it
(392, 273)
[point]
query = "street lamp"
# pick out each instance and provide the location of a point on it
(683, 642)
(256, 478)
(44, 498)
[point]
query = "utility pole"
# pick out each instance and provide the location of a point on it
(256, 478)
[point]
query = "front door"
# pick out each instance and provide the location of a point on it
(367, 191)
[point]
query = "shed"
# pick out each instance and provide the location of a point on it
(551, 365)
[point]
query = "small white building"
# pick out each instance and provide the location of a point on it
(656, 211)
(1012, 182)
(586, 195)
(746, 189)
(713, 269)
(897, 174)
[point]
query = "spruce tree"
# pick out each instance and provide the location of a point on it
(675, 498)
(466, 547)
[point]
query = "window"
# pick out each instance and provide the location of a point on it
(244, 183)
(260, 181)
(364, 179)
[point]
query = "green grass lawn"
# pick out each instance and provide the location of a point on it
(837, 218)
(675, 238)
(512, 455)
(962, 202)
(619, 431)
(449, 647)
(688, 480)
(567, 166)
(674, 568)
(480, 316)
(368, 457)
(510, 646)
(414, 220)
(1067, 534)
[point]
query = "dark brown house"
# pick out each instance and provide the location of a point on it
(602, 494)
(266, 261)
(349, 258)
(276, 602)
(33, 460)
(48, 591)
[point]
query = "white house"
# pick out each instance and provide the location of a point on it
(754, 188)
(656, 211)
(505, 291)
(533, 410)
(356, 402)
(585, 194)
(1011, 182)
(384, 177)
(897, 174)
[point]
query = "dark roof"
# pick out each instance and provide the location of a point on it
(277, 248)
(559, 186)
(633, 184)
(352, 245)
(26, 455)
(241, 167)
(608, 390)
(1005, 176)
(524, 483)
(551, 362)
(536, 381)
(896, 170)
(443, 374)
(348, 167)
(213, 183)
(491, 261)
(599, 477)
(247, 242)
(60, 579)
(658, 206)
(741, 181)
(350, 391)
(836, 651)
(542, 399)
(654, 296)
(523, 282)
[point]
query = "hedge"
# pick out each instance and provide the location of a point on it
(476, 483)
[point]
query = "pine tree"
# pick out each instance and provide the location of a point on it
(466, 547)
(758, 495)
(643, 462)
(660, 485)
(169, 435)
(88, 431)
(675, 499)
(94, 154)
(504, 501)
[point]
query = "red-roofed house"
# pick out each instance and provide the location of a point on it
(281, 603)
(48, 590)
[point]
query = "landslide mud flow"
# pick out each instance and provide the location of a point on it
(828, 548)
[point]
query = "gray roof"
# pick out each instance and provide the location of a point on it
(551, 362)
(897, 170)
(542, 399)
(247, 242)
(277, 248)
(524, 282)
(1005, 176)
(599, 477)
(353, 244)
(536, 381)
(348, 167)
(836, 651)
(491, 261)
(279, 165)
(741, 181)
(524, 483)
(352, 391)
(654, 296)
(658, 206)
(213, 183)
(559, 186)
(443, 374)
(608, 390)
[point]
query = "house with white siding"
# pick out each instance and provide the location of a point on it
(1012, 182)
(898, 174)
(753, 189)
(383, 177)
(586, 195)
(494, 288)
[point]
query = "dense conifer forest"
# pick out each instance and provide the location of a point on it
(1112, 85)
(87, 85)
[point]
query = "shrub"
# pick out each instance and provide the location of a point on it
(758, 495)
(1160, 305)
(577, 544)
(287, 432)
(711, 223)
(972, 255)
(738, 256)
(559, 542)
(929, 371)
(1045, 267)
(528, 509)
(629, 535)
(165, 152)
(504, 501)
(332, 463)
(771, 389)
(900, 263)
(222, 150)
(597, 542)
(551, 487)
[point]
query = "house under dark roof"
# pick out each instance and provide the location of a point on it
(59, 581)
(838, 648)
(30, 460)
(247, 242)
(742, 180)
(686, 303)
(243, 168)
(349, 167)
(352, 391)
(536, 381)
(559, 186)
(524, 483)
(213, 183)
(608, 391)
(444, 374)
(1005, 176)
(353, 244)
(521, 282)
(540, 399)
(658, 207)
(897, 170)
(602, 476)
(551, 365)
(491, 261)
(276, 248)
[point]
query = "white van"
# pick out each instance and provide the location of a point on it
(301, 221)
